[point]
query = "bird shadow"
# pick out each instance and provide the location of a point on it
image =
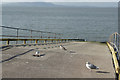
(42, 54)
(102, 72)
(39, 55)
(16, 56)
(3, 48)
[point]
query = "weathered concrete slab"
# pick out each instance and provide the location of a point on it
(58, 63)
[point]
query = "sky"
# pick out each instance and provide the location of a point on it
(60, 0)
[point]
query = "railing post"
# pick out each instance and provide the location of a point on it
(56, 41)
(24, 41)
(39, 41)
(31, 35)
(61, 40)
(65, 40)
(115, 38)
(119, 43)
(52, 41)
(68, 40)
(17, 36)
(36, 41)
(45, 41)
(7, 42)
(55, 35)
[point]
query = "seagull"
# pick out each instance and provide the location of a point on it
(91, 66)
(61, 47)
(37, 54)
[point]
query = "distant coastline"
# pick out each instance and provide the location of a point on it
(63, 4)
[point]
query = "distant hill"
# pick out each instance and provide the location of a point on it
(29, 4)
(63, 4)
(88, 4)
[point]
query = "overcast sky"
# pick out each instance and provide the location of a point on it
(60, 0)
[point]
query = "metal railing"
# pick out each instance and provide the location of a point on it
(114, 46)
(114, 41)
(30, 38)
(30, 35)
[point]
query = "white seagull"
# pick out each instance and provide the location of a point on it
(91, 66)
(37, 53)
(61, 47)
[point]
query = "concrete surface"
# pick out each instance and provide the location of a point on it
(57, 63)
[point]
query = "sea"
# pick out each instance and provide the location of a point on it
(92, 24)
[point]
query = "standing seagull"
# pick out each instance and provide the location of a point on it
(37, 54)
(91, 66)
(61, 47)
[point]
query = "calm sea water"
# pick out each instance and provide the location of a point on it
(92, 24)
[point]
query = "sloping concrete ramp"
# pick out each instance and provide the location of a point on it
(57, 63)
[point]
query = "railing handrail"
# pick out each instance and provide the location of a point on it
(27, 36)
(30, 33)
(9, 39)
(30, 30)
